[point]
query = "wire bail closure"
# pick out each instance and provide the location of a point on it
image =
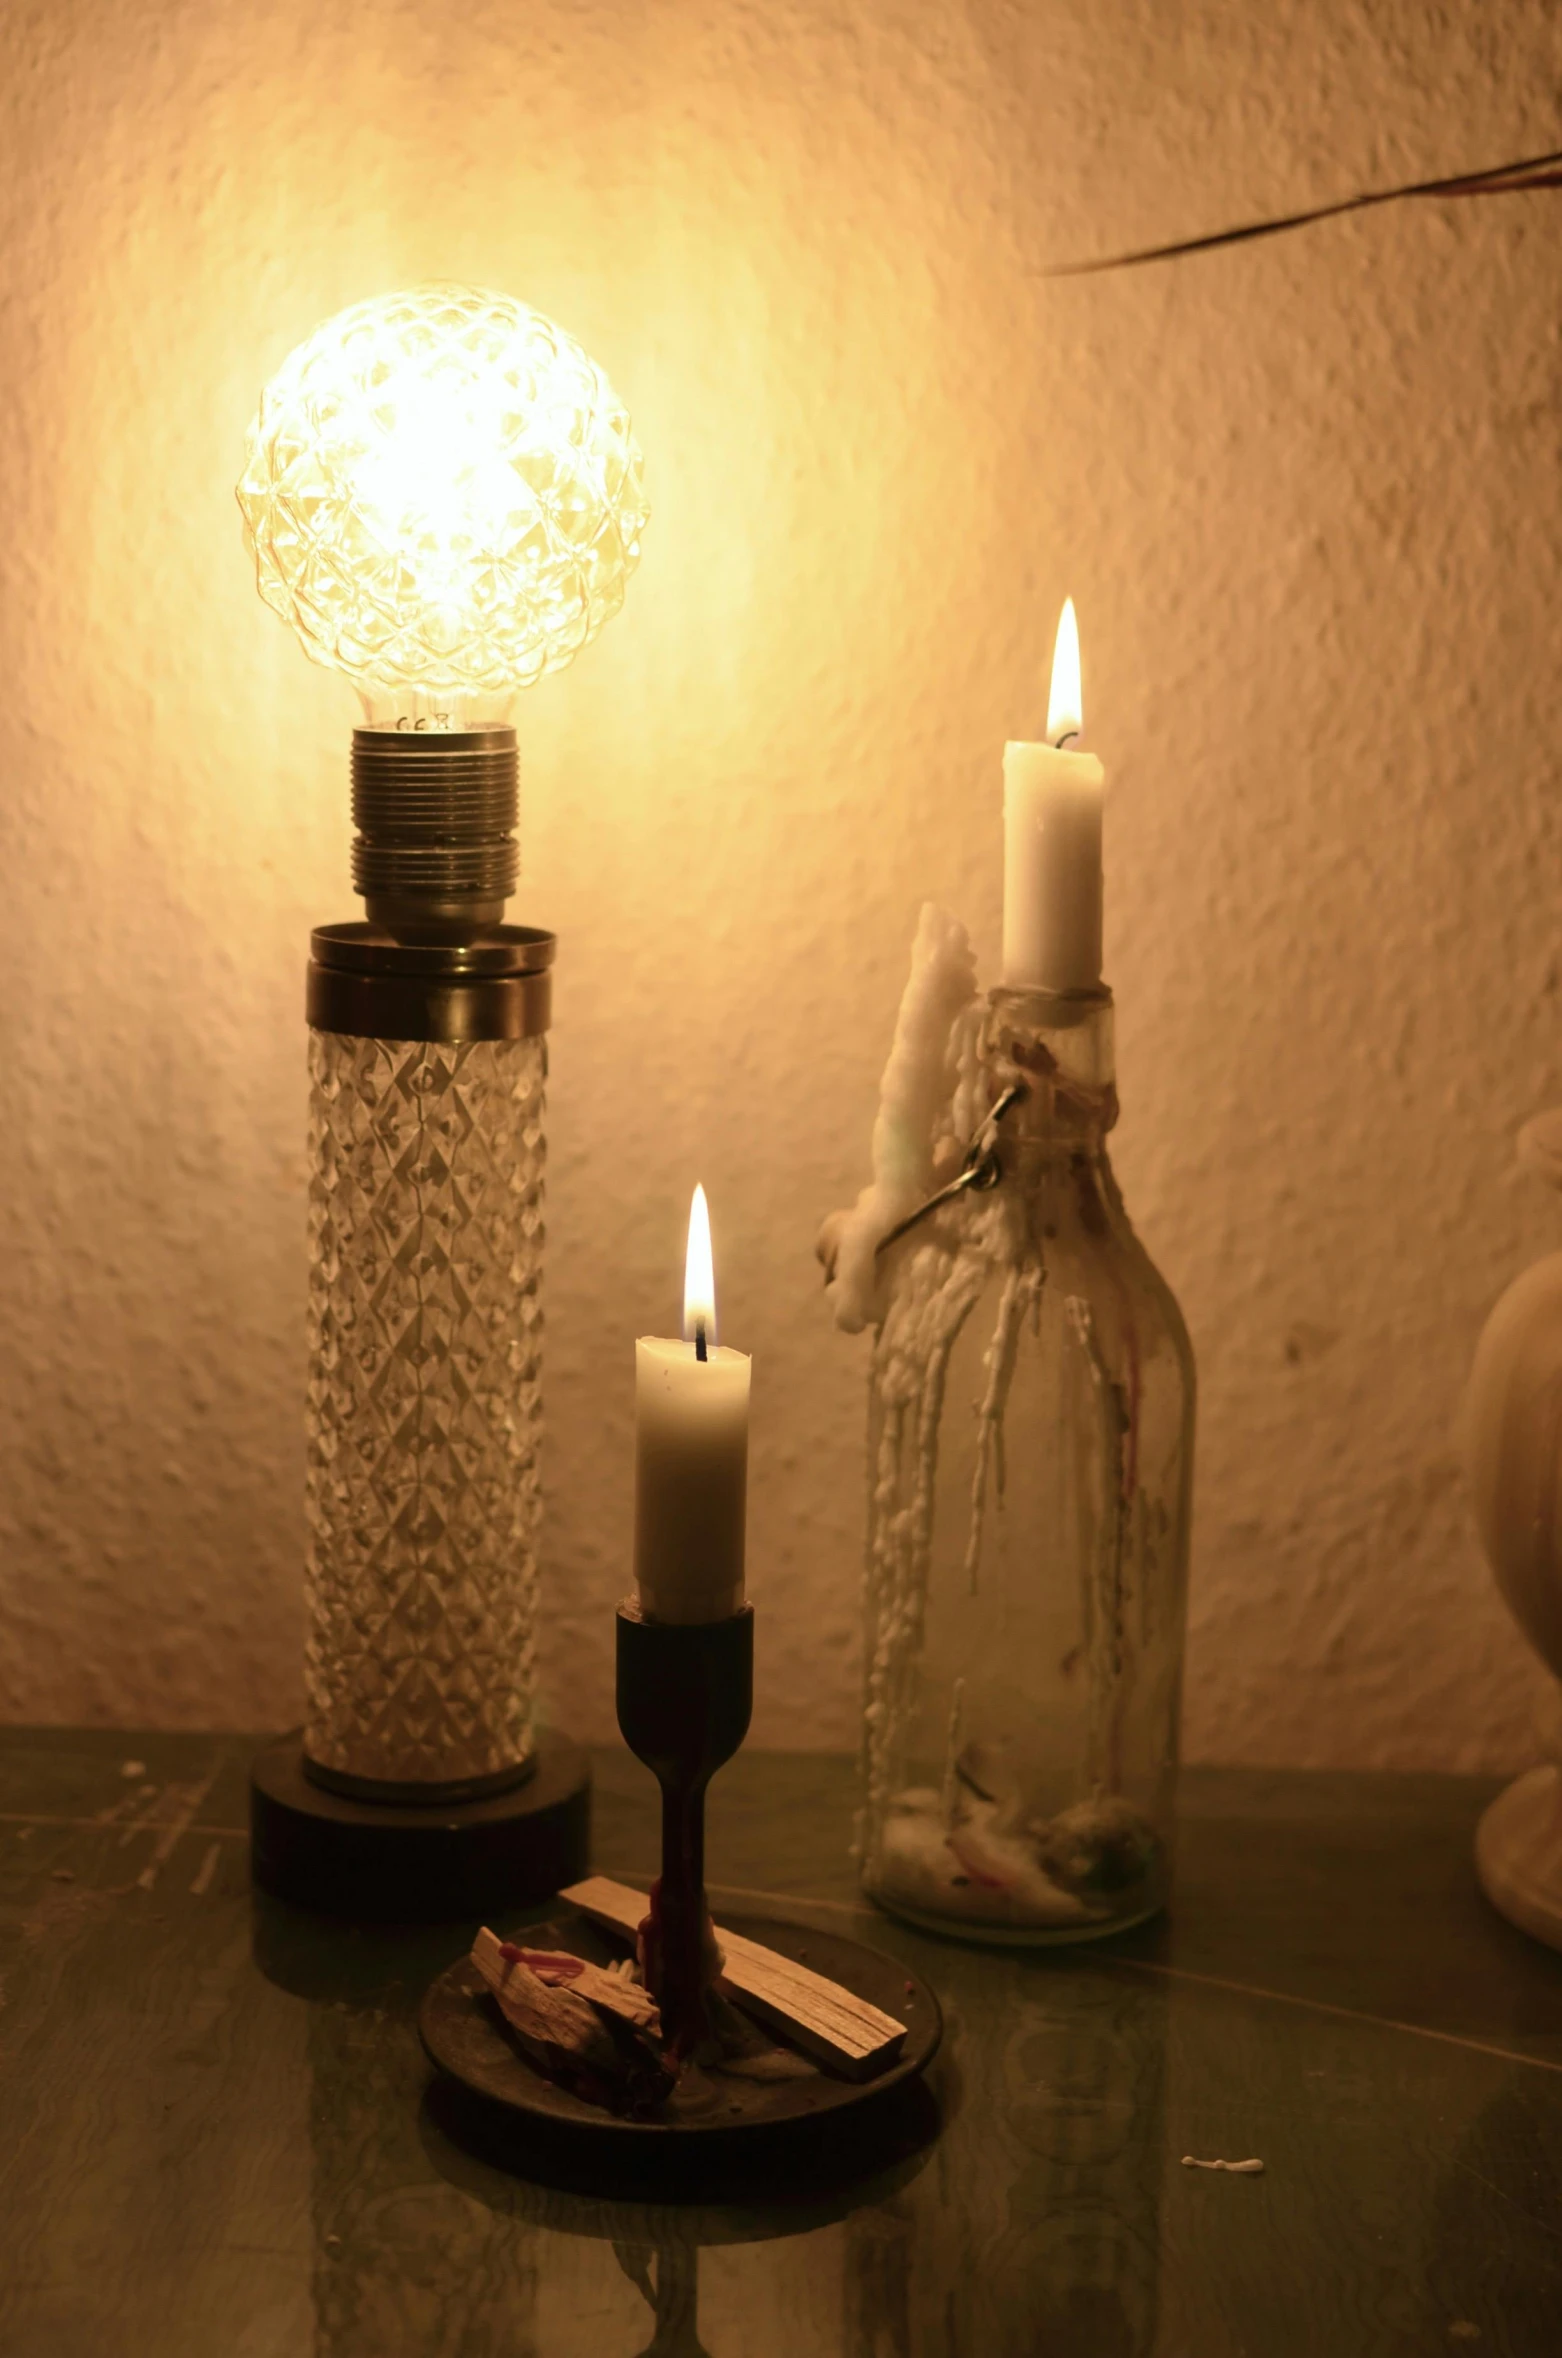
(978, 1174)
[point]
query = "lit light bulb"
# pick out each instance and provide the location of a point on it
(443, 496)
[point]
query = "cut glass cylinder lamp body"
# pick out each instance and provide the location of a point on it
(1030, 1477)
(443, 498)
(426, 1152)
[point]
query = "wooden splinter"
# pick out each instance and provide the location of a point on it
(844, 2033)
(598, 2032)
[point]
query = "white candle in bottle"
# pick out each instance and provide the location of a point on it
(691, 1455)
(1052, 801)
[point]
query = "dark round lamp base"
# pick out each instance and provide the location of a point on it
(412, 1862)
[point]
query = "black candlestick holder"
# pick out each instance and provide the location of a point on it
(685, 1697)
(685, 1693)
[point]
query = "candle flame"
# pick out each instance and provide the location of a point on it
(699, 1275)
(1065, 704)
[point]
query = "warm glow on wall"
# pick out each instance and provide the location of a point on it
(443, 496)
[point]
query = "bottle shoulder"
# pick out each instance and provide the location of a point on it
(1147, 1275)
(1057, 1220)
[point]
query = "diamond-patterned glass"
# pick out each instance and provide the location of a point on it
(442, 494)
(424, 1404)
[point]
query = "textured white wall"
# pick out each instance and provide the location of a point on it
(1306, 495)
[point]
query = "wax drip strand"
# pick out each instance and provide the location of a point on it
(1018, 1301)
(1530, 172)
(1103, 1574)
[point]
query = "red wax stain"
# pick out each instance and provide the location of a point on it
(975, 1874)
(648, 1940)
(547, 1964)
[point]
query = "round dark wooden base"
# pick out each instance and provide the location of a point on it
(412, 1863)
(463, 2033)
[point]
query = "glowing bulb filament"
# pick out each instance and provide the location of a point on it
(442, 495)
(1065, 704)
(699, 1279)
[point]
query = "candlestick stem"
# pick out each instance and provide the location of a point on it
(682, 1912)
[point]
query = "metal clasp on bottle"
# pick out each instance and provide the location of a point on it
(978, 1173)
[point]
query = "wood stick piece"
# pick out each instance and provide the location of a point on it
(557, 2028)
(592, 2031)
(841, 2031)
(561, 1969)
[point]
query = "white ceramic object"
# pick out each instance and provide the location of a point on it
(1518, 1853)
(1513, 1444)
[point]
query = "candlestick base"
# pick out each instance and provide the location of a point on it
(685, 1696)
(807, 2130)
(411, 1862)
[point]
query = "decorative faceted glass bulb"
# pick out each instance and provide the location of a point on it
(443, 496)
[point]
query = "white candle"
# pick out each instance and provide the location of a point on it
(1052, 798)
(691, 1455)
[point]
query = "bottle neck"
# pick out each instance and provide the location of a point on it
(1057, 1048)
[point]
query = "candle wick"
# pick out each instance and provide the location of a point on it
(700, 1350)
(1068, 737)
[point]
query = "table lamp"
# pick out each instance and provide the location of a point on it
(442, 495)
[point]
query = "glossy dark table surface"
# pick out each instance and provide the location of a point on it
(218, 2134)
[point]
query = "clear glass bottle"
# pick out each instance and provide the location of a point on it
(1030, 1477)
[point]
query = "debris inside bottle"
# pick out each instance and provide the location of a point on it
(971, 1855)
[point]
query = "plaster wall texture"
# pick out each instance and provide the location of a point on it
(1305, 494)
